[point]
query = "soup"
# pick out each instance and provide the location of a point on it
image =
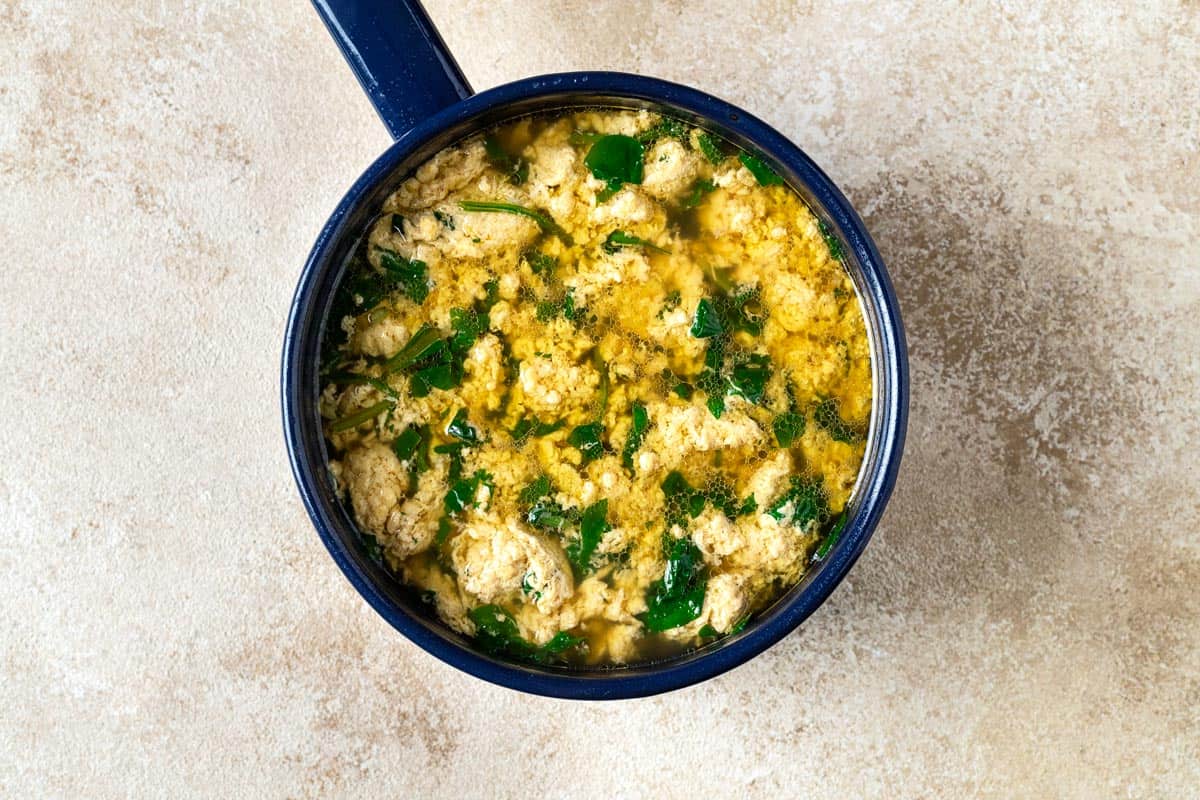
(596, 386)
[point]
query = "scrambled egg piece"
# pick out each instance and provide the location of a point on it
(529, 414)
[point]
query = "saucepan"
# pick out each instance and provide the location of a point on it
(427, 104)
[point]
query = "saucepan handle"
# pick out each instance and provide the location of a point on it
(398, 57)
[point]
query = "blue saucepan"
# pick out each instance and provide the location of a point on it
(427, 104)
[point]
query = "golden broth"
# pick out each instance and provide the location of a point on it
(598, 386)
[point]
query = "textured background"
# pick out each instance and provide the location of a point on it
(1025, 623)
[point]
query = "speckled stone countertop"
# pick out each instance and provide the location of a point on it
(1025, 623)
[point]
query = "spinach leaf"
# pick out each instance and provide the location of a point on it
(827, 416)
(408, 441)
(759, 169)
(540, 263)
(706, 323)
(497, 634)
(695, 197)
(547, 515)
(543, 221)
(592, 526)
(618, 239)
(682, 501)
(678, 598)
(831, 538)
(549, 309)
(444, 218)
(665, 128)
(468, 327)
(462, 492)
(514, 167)
(586, 438)
(803, 503)
(435, 376)
(460, 428)
(710, 146)
(424, 344)
(454, 450)
(670, 303)
(398, 225)
(351, 421)
(748, 379)
(410, 276)
(637, 432)
(530, 425)
(616, 160)
(831, 241)
(788, 427)
(535, 491)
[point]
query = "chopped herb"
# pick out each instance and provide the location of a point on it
(831, 538)
(444, 218)
(535, 491)
(425, 343)
(683, 502)
(788, 427)
(454, 450)
(514, 167)
(410, 276)
(398, 224)
(707, 632)
(462, 492)
(740, 625)
(540, 263)
(359, 417)
(587, 439)
(406, 444)
(749, 378)
(445, 526)
(665, 128)
(616, 160)
(637, 432)
(696, 196)
(683, 390)
(759, 169)
(496, 633)
(832, 242)
(827, 416)
(461, 429)
(670, 303)
(468, 326)
(710, 147)
(528, 590)
(618, 239)
(549, 309)
(803, 503)
(706, 322)
(543, 221)
(549, 516)
(531, 425)
(592, 526)
(678, 598)
(436, 376)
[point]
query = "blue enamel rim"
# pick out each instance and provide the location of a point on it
(306, 448)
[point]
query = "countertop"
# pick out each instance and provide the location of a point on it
(1025, 623)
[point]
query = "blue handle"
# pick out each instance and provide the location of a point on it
(398, 57)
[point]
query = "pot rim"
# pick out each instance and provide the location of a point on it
(881, 462)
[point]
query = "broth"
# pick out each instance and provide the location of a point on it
(597, 385)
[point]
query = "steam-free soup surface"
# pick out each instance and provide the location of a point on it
(597, 386)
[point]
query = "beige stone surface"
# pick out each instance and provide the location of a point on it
(1025, 623)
